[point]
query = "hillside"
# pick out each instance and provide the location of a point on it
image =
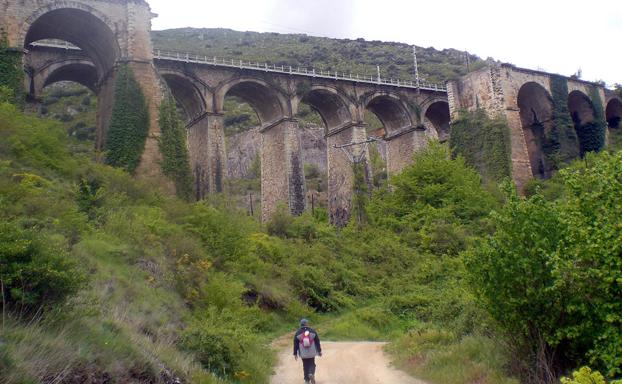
(342, 55)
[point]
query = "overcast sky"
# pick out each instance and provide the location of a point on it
(552, 35)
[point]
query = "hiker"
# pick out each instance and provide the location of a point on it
(307, 346)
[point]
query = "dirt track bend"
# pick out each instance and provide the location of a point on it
(343, 363)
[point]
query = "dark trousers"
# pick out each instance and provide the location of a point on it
(308, 365)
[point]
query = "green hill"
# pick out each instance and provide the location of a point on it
(350, 56)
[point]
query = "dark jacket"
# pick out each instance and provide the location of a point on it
(302, 330)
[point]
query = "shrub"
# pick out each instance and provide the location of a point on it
(34, 275)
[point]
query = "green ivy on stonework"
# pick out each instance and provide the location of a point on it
(483, 142)
(129, 125)
(592, 134)
(11, 73)
(560, 144)
(175, 164)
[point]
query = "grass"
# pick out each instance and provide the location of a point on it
(440, 357)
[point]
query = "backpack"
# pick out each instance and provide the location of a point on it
(306, 343)
(306, 339)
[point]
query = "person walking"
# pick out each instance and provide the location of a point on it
(307, 346)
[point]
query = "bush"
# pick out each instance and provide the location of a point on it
(32, 274)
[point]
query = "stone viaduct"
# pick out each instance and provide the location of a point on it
(524, 98)
(104, 34)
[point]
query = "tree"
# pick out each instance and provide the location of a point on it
(551, 273)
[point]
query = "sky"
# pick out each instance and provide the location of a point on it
(552, 35)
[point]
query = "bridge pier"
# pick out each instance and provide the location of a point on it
(341, 171)
(206, 144)
(401, 147)
(282, 174)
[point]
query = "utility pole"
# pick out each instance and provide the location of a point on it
(416, 66)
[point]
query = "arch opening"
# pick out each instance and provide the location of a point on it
(81, 73)
(391, 112)
(332, 109)
(536, 113)
(81, 28)
(582, 112)
(613, 113)
(437, 115)
(262, 99)
(186, 94)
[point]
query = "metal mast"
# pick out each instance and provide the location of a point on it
(416, 66)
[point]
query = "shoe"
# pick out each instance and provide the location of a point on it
(311, 379)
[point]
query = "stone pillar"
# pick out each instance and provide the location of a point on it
(521, 166)
(206, 147)
(401, 148)
(282, 174)
(341, 173)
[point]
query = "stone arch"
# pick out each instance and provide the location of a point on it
(79, 24)
(580, 107)
(613, 113)
(331, 105)
(392, 111)
(582, 112)
(437, 115)
(75, 69)
(536, 114)
(186, 92)
(268, 102)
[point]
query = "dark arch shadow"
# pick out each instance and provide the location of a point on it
(582, 112)
(391, 111)
(330, 106)
(613, 113)
(536, 113)
(438, 115)
(82, 29)
(187, 95)
(261, 97)
(81, 73)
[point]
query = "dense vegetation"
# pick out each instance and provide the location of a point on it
(129, 124)
(11, 75)
(484, 143)
(174, 148)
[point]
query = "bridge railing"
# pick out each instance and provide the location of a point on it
(300, 71)
(231, 63)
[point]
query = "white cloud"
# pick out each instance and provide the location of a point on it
(557, 36)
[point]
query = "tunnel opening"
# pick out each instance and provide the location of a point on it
(588, 130)
(536, 113)
(437, 115)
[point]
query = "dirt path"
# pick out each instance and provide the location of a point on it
(343, 363)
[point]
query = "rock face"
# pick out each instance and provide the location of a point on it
(244, 148)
